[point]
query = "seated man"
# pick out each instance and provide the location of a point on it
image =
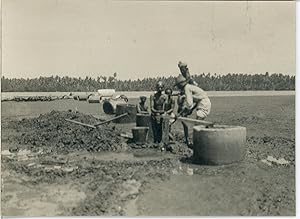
(157, 102)
(193, 97)
(141, 107)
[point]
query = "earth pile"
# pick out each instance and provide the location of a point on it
(53, 132)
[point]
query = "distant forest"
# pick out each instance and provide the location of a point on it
(207, 81)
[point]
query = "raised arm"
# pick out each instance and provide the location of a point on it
(189, 96)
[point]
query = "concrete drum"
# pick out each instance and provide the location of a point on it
(140, 134)
(219, 145)
(126, 108)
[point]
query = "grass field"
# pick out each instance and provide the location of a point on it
(146, 181)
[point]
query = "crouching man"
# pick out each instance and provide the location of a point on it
(193, 98)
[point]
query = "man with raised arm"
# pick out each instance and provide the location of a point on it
(186, 73)
(192, 98)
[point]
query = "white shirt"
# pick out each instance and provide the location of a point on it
(194, 94)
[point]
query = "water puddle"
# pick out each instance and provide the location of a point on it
(130, 191)
(19, 155)
(42, 200)
(136, 155)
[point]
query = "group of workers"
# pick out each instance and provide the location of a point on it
(191, 97)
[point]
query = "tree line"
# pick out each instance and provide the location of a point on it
(207, 81)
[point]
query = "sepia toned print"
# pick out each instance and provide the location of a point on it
(148, 108)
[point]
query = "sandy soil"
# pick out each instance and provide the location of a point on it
(51, 167)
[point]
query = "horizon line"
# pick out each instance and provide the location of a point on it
(166, 76)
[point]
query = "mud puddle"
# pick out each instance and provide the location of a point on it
(213, 191)
(129, 156)
(22, 198)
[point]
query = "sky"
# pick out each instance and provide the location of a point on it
(79, 38)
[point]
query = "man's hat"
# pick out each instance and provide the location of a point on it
(181, 64)
(180, 80)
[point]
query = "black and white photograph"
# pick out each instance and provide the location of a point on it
(148, 108)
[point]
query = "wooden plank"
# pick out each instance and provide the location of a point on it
(112, 119)
(126, 135)
(200, 122)
(80, 123)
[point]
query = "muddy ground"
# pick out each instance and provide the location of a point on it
(54, 168)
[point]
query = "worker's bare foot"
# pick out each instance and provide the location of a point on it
(190, 145)
(162, 147)
(173, 148)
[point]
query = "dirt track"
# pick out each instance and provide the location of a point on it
(51, 167)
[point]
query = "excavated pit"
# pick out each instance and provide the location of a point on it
(41, 177)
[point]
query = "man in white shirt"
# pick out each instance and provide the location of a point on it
(194, 98)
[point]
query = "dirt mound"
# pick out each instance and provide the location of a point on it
(53, 131)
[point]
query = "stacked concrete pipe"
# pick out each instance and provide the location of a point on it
(144, 120)
(140, 134)
(126, 108)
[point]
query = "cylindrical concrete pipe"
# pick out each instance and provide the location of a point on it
(110, 105)
(106, 92)
(140, 135)
(144, 120)
(94, 99)
(83, 97)
(219, 145)
(126, 108)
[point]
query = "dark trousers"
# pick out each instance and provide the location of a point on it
(157, 129)
(186, 132)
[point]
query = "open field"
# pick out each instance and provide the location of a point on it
(136, 94)
(67, 170)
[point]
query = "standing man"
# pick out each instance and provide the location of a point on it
(169, 109)
(186, 73)
(194, 98)
(170, 103)
(157, 102)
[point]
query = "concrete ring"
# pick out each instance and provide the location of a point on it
(219, 145)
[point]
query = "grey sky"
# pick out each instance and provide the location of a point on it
(145, 39)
